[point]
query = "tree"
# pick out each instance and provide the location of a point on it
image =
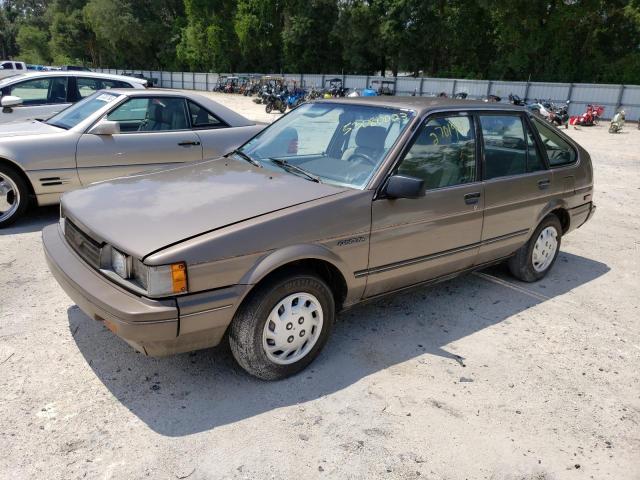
(258, 25)
(33, 44)
(208, 40)
(309, 40)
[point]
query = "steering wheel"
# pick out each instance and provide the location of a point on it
(362, 156)
(143, 124)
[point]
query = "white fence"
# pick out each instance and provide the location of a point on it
(611, 97)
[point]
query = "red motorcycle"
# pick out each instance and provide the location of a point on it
(588, 118)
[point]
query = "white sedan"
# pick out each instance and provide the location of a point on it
(110, 134)
(42, 94)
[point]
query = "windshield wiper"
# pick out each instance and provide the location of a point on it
(246, 157)
(290, 167)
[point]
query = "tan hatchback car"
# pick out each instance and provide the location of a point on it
(335, 203)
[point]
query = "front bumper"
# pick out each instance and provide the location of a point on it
(153, 327)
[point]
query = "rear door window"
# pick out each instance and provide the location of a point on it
(114, 84)
(505, 147)
(87, 86)
(559, 152)
(534, 158)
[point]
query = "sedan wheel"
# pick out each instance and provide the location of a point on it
(544, 250)
(292, 329)
(535, 258)
(282, 325)
(13, 196)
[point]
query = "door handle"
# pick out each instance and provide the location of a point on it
(189, 144)
(544, 184)
(472, 198)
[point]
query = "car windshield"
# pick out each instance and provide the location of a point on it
(72, 116)
(337, 143)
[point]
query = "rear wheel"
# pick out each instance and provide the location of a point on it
(282, 326)
(14, 196)
(534, 259)
(269, 107)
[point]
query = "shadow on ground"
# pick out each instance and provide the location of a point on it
(34, 221)
(195, 392)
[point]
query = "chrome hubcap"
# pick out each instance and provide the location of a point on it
(292, 328)
(9, 197)
(544, 249)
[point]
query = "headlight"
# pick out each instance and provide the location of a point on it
(155, 281)
(161, 280)
(120, 263)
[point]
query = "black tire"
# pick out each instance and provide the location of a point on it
(268, 108)
(282, 107)
(521, 264)
(246, 330)
(22, 197)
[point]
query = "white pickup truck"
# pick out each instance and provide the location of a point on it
(9, 68)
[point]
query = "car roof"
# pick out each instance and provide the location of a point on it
(232, 118)
(74, 73)
(424, 104)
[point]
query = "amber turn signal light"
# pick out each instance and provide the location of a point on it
(179, 277)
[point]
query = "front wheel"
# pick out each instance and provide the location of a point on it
(535, 258)
(14, 196)
(282, 326)
(282, 107)
(269, 107)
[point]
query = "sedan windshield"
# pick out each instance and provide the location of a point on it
(72, 116)
(336, 143)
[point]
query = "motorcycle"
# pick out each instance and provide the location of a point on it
(276, 101)
(516, 100)
(295, 98)
(617, 122)
(588, 118)
(559, 114)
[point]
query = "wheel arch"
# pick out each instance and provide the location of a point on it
(314, 258)
(18, 169)
(559, 208)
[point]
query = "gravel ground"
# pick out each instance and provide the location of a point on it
(481, 377)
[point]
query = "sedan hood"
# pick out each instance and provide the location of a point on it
(144, 213)
(31, 127)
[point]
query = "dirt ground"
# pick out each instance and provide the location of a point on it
(481, 377)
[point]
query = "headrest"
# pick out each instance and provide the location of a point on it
(371, 137)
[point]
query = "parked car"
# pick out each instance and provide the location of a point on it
(74, 68)
(43, 94)
(338, 202)
(110, 134)
(9, 68)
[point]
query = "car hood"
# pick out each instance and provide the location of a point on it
(31, 127)
(144, 213)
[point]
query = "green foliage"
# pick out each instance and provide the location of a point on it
(33, 44)
(209, 42)
(553, 40)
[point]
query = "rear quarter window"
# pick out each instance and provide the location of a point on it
(559, 151)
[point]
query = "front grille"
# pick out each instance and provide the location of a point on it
(83, 245)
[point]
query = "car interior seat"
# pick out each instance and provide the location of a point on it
(369, 142)
(58, 92)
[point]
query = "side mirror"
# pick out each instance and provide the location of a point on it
(9, 101)
(403, 186)
(105, 127)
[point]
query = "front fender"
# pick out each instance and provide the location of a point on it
(278, 258)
